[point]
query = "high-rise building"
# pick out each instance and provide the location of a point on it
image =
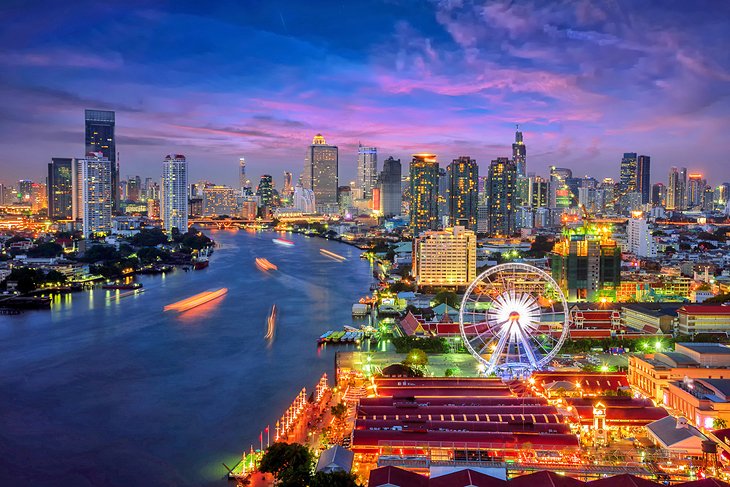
(134, 188)
(25, 190)
(519, 154)
(641, 241)
(100, 138)
(59, 189)
(538, 196)
(345, 199)
(367, 170)
(94, 182)
(643, 179)
(658, 193)
(243, 181)
(695, 190)
(321, 174)
(303, 200)
(608, 188)
(424, 186)
(586, 262)
(501, 197)
(627, 179)
(673, 196)
(389, 183)
(174, 201)
(560, 194)
(462, 192)
(288, 189)
(38, 197)
(445, 258)
(721, 196)
(219, 201)
(265, 190)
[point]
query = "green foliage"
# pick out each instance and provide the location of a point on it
(719, 423)
(100, 253)
(45, 250)
(29, 279)
(334, 479)
(149, 237)
(339, 411)
(150, 255)
(451, 371)
(400, 286)
(430, 345)
(719, 299)
(416, 358)
(194, 239)
(289, 463)
(447, 297)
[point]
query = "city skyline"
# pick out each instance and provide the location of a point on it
(551, 68)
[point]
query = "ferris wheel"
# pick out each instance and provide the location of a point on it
(513, 319)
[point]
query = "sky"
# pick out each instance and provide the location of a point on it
(586, 80)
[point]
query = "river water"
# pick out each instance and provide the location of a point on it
(102, 391)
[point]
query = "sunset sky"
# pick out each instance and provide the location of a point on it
(586, 80)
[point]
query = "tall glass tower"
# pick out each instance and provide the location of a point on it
(321, 174)
(424, 185)
(367, 170)
(643, 178)
(501, 189)
(175, 193)
(462, 192)
(100, 138)
(627, 179)
(519, 154)
(59, 189)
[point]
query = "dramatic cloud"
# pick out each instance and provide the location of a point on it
(586, 80)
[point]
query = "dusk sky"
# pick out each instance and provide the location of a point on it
(586, 80)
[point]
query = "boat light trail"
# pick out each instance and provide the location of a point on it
(265, 265)
(195, 301)
(332, 255)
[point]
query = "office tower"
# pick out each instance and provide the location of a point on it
(519, 154)
(658, 193)
(25, 189)
(345, 199)
(462, 192)
(367, 170)
(721, 196)
(588, 198)
(424, 186)
(707, 200)
(482, 219)
(303, 200)
(538, 192)
(38, 197)
(174, 201)
(608, 187)
(627, 179)
(445, 258)
(93, 178)
(265, 190)
(100, 138)
(219, 200)
(443, 204)
(695, 191)
(586, 262)
(643, 180)
(641, 241)
(320, 174)
(389, 183)
(243, 181)
(288, 189)
(134, 188)
(560, 194)
(501, 197)
(59, 189)
(682, 189)
(673, 201)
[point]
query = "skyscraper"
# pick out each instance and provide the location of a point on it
(95, 191)
(321, 174)
(538, 196)
(367, 170)
(424, 185)
(389, 183)
(560, 194)
(695, 190)
(673, 198)
(174, 201)
(59, 189)
(658, 193)
(501, 197)
(627, 179)
(25, 189)
(100, 138)
(643, 180)
(462, 192)
(519, 154)
(265, 190)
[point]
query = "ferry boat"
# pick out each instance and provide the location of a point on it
(201, 264)
(197, 300)
(283, 241)
(127, 286)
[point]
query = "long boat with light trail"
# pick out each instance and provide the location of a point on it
(197, 300)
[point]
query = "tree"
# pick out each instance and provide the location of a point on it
(447, 297)
(289, 463)
(451, 371)
(416, 358)
(149, 237)
(719, 423)
(339, 411)
(46, 249)
(334, 479)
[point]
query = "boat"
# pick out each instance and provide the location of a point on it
(195, 301)
(265, 265)
(324, 336)
(127, 286)
(283, 241)
(332, 255)
(200, 264)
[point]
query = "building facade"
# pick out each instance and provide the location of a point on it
(219, 201)
(174, 201)
(462, 192)
(445, 258)
(321, 174)
(96, 194)
(424, 186)
(389, 183)
(367, 170)
(60, 203)
(643, 178)
(641, 241)
(627, 177)
(100, 138)
(501, 188)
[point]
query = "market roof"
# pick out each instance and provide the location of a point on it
(701, 309)
(335, 459)
(465, 477)
(722, 386)
(666, 431)
(714, 348)
(545, 479)
(394, 476)
(624, 480)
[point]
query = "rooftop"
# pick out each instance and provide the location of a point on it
(714, 348)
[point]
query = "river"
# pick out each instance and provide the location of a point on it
(101, 391)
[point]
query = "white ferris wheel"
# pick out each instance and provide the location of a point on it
(513, 319)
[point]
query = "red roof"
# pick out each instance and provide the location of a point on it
(711, 482)
(623, 480)
(545, 479)
(410, 324)
(639, 416)
(364, 440)
(396, 476)
(704, 310)
(466, 477)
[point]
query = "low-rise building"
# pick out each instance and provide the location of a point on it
(445, 258)
(693, 319)
(701, 401)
